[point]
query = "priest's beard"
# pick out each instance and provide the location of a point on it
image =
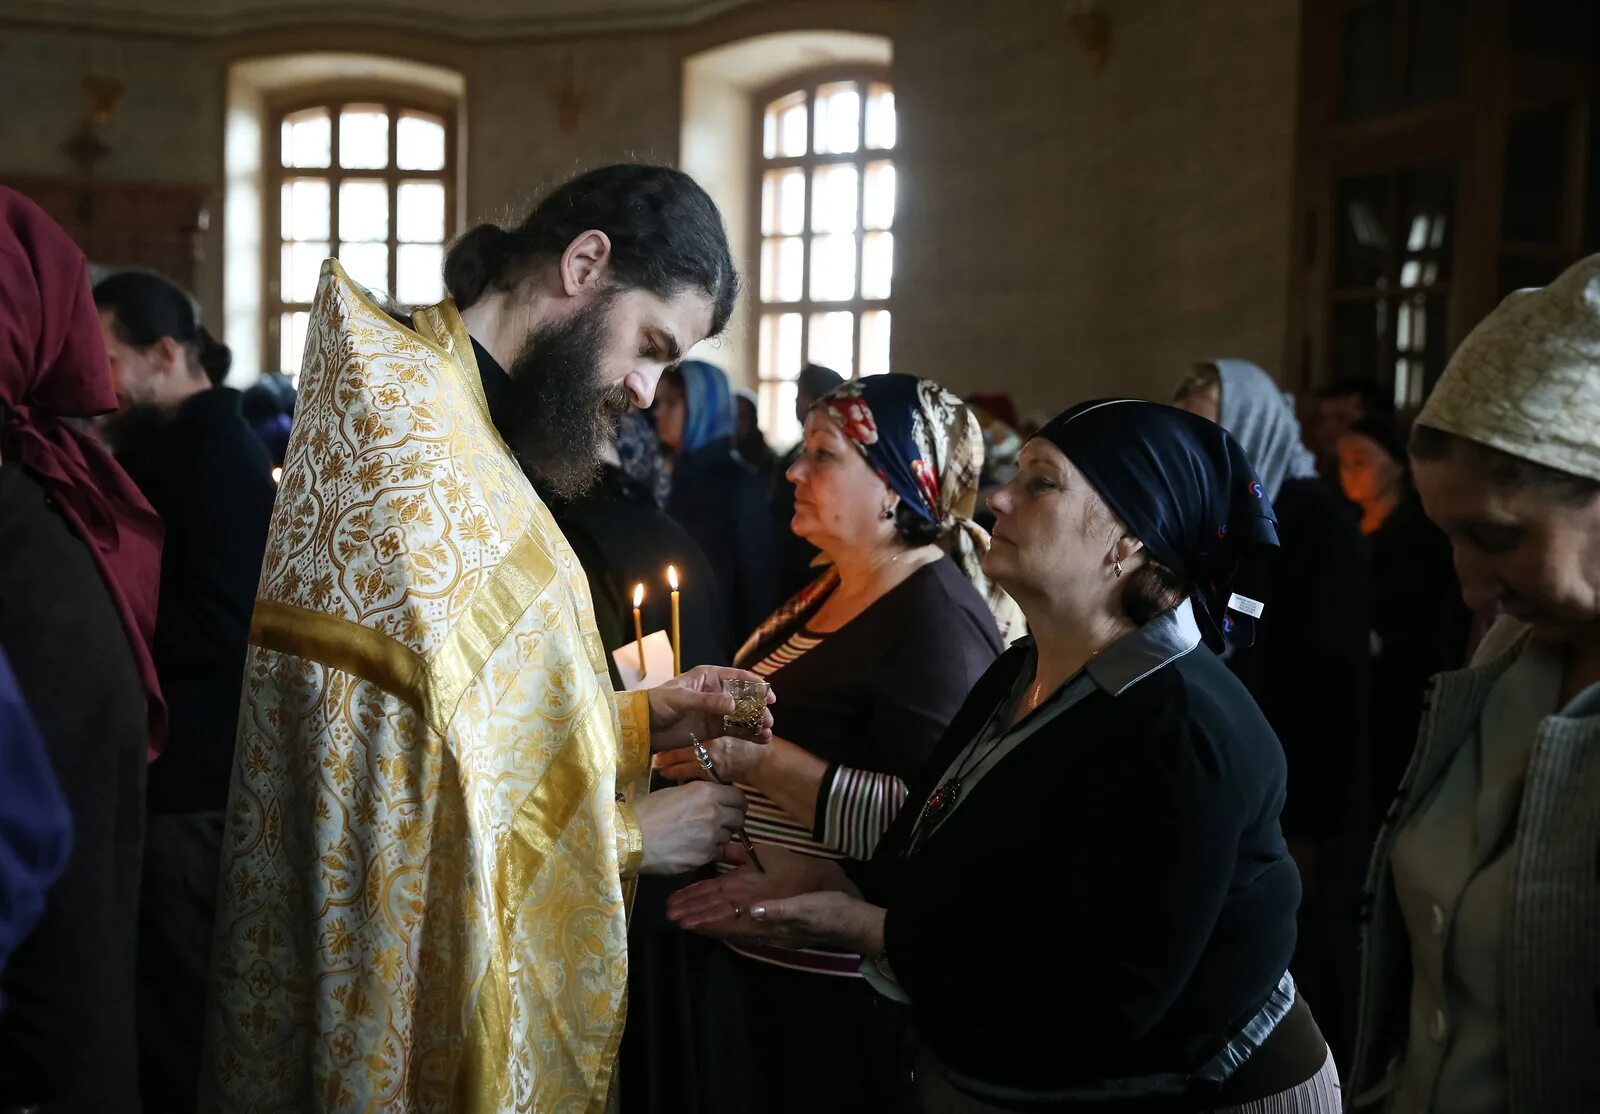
(564, 413)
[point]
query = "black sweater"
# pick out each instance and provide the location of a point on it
(1114, 899)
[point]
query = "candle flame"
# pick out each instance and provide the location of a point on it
(638, 594)
(672, 576)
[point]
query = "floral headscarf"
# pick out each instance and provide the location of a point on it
(927, 446)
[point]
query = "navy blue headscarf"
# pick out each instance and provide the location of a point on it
(1185, 489)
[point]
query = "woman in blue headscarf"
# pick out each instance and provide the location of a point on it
(715, 496)
(1087, 903)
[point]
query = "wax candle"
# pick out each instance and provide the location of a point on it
(638, 626)
(677, 638)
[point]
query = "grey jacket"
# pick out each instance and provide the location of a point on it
(1552, 972)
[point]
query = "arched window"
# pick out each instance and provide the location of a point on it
(826, 177)
(366, 179)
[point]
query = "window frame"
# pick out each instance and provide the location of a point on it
(808, 82)
(335, 96)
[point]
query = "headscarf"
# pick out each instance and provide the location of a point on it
(1261, 418)
(926, 445)
(639, 450)
(1185, 489)
(53, 366)
(1002, 444)
(708, 406)
(1524, 380)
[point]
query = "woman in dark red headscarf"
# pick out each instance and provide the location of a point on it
(80, 555)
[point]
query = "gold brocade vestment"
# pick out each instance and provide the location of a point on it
(422, 904)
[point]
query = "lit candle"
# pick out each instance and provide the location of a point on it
(638, 627)
(677, 639)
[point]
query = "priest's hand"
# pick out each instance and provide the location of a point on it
(687, 826)
(788, 874)
(694, 703)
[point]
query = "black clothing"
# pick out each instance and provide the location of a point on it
(209, 477)
(879, 692)
(622, 538)
(1420, 627)
(1308, 669)
(67, 1037)
(720, 503)
(875, 695)
(1114, 899)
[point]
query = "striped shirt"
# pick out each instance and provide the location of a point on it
(854, 809)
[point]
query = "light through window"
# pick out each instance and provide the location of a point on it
(369, 183)
(827, 180)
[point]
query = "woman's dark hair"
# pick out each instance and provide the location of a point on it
(1502, 469)
(146, 308)
(1151, 589)
(912, 529)
(666, 237)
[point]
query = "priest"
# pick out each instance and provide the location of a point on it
(438, 801)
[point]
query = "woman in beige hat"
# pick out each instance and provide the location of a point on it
(1481, 988)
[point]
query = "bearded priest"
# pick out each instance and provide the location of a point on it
(438, 801)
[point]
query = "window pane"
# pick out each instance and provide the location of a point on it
(880, 195)
(1361, 236)
(302, 266)
(307, 137)
(420, 281)
(364, 137)
(363, 210)
(838, 119)
(1359, 334)
(833, 268)
(1535, 176)
(1367, 49)
(783, 132)
(875, 342)
(1433, 70)
(292, 341)
(780, 346)
(420, 212)
(877, 265)
(832, 342)
(305, 209)
(880, 117)
(368, 264)
(777, 414)
(420, 142)
(782, 270)
(833, 198)
(783, 203)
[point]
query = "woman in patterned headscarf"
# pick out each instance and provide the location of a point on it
(869, 663)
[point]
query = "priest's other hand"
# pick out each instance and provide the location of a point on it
(706, 906)
(687, 826)
(694, 703)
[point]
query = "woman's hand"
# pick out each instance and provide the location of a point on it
(694, 703)
(735, 759)
(788, 874)
(749, 906)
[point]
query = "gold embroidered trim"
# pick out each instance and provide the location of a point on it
(433, 686)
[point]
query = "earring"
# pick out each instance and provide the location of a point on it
(1117, 566)
(888, 513)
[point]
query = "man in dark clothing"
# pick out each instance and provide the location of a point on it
(208, 476)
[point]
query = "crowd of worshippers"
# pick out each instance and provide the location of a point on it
(1162, 755)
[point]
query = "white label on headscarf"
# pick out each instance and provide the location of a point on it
(1244, 605)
